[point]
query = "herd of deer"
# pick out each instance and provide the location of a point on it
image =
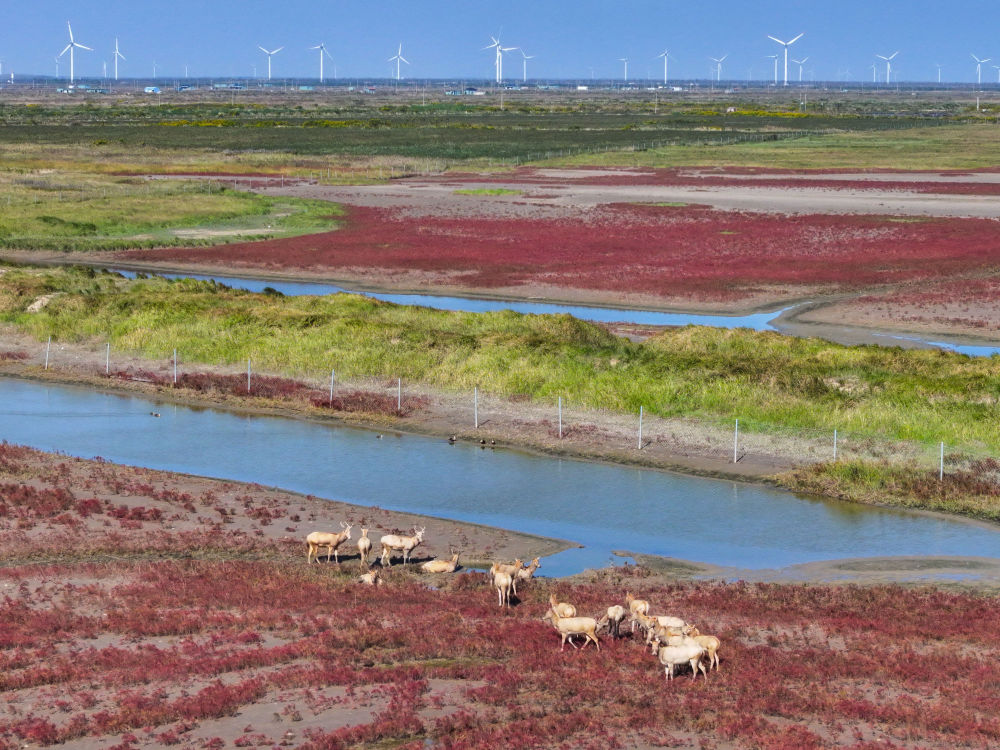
(391, 544)
(672, 640)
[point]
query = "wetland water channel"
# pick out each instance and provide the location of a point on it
(600, 506)
(765, 321)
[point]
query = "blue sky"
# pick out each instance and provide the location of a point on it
(442, 38)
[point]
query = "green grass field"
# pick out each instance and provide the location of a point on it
(79, 211)
(957, 146)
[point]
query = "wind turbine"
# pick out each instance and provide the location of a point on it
(625, 60)
(786, 45)
(979, 68)
(800, 63)
(939, 66)
(70, 48)
(398, 57)
(874, 68)
(718, 66)
(998, 72)
(888, 65)
(525, 63)
(666, 56)
(57, 67)
(117, 56)
(775, 58)
(499, 60)
(269, 54)
(322, 51)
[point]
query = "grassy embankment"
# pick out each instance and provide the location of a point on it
(768, 381)
(81, 211)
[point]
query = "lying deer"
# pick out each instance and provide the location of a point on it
(331, 541)
(441, 566)
(405, 544)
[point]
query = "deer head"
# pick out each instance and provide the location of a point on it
(419, 533)
(347, 528)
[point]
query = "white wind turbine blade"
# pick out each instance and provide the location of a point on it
(70, 32)
(262, 50)
(724, 57)
(892, 55)
(797, 38)
(65, 50)
(775, 39)
(277, 50)
(404, 59)
(83, 46)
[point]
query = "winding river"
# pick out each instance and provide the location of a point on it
(603, 507)
(765, 321)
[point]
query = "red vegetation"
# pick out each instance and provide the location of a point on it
(663, 251)
(803, 667)
(137, 648)
(264, 386)
(13, 356)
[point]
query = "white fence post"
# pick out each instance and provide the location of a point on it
(736, 441)
(640, 428)
(399, 394)
(47, 347)
(333, 375)
(175, 367)
(834, 444)
(475, 406)
(560, 417)
(941, 464)
(107, 360)
(248, 374)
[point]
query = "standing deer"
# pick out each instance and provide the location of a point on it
(331, 541)
(364, 548)
(503, 582)
(405, 544)
(526, 572)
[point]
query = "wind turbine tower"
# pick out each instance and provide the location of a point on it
(786, 45)
(269, 55)
(979, 68)
(939, 66)
(775, 58)
(322, 51)
(499, 61)
(800, 63)
(118, 55)
(888, 66)
(70, 48)
(718, 66)
(625, 60)
(666, 56)
(398, 58)
(524, 61)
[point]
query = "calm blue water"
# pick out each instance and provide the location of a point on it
(757, 322)
(603, 507)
